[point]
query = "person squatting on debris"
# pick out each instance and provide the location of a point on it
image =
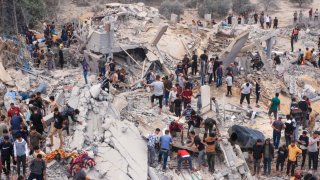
(183, 155)
(157, 92)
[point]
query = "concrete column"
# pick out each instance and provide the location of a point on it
(160, 33)
(205, 98)
(269, 47)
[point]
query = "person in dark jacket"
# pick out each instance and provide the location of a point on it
(257, 152)
(61, 59)
(268, 154)
(6, 149)
(282, 156)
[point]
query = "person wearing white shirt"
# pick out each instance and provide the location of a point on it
(210, 71)
(245, 93)
(172, 97)
(158, 90)
(229, 84)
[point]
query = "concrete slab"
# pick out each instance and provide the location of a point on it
(205, 98)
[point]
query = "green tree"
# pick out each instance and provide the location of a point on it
(168, 7)
(33, 10)
(302, 2)
(242, 6)
(217, 8)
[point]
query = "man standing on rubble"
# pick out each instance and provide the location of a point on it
(303, 142)
(245, 93)
(152, 140)
(258, 91)
(20, 149)
(165, 142)
(310, 14)
(219, 75)
(303, 105)
(277, 127)
(274, 107)
(275, 23)
(194, 65)
(203, 63)
(268, 155)
(37, 120)
(186, 95)
(49, 56)
(187, 113)
(293, 153)
(57, 128)
(316, 15)
(61, 59)
(257, 154)
(313, 151)
(295, 17)
(255, 16)
(157, 92)
(167, 87)
(85, 67)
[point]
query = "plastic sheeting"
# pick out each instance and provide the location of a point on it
(243, 136)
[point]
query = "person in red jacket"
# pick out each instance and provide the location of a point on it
(182, 156)
(186, 96)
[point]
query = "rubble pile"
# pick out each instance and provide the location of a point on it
(106, 137)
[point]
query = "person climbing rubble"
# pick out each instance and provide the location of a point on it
(174, 128)
(157, 93)
(69, 113)
(195, 140)
(183, 155)
(57, 128)
(165, 143)
(152, 140)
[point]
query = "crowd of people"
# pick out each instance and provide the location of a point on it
(176, 93)
(23, 133)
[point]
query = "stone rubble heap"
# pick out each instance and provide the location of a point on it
(117, 147)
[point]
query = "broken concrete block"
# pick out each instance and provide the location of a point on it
(95, 90)
(205, 98)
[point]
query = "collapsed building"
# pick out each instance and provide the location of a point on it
(116, 123)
